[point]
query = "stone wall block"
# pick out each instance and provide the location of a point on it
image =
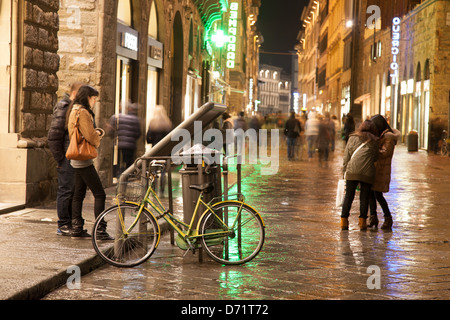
(29, 122)
(47, 101)
(38, 15)
(36, 100)
(40, 121)
(71, 44)
(43, 38)
(51, 61)
(42, 80)
(82, 4)
(30, 35)
(38, 58)
(30, 78)
(27, 56)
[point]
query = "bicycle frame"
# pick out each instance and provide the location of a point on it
(190, 233)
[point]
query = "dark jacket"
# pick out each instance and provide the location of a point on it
(360, 167)
(292, 128)
(155, 136)
(127, 128)
(326, 133)
(58, 136)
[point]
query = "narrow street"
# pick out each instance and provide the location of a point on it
(306, 255)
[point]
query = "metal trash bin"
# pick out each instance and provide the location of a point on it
(194, 173)
(412, 141)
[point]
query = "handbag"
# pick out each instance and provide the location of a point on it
(340, 192)
(79, 148)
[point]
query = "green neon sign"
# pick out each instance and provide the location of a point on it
(232, 35)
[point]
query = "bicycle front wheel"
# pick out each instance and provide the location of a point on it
(134, 241)
(232, 234)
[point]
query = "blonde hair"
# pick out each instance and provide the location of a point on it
(160, 120)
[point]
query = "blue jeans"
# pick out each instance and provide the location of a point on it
(64, 194)
(311, 145)
(291, 147)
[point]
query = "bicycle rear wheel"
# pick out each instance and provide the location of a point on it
(132, 244)
(232, 234)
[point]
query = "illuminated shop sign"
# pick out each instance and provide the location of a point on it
(395, 49)
(250, 91)
(232, 35)
(129, 41)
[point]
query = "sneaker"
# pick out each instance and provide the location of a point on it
(63, 231)
(80, 235)
(103, 236)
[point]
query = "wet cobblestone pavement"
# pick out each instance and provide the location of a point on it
(306, 255)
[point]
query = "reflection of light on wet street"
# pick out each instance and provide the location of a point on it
(306, 255)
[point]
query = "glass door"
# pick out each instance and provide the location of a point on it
(152, 98)
(123, 97)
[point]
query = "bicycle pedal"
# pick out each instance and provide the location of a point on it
(189, 249)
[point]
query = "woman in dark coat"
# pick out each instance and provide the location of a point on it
(388, 140)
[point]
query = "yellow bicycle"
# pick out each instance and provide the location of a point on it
(230, 231)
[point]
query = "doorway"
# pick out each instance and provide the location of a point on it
(176, 97)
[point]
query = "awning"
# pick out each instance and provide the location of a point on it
(211, 10)
(362, 98)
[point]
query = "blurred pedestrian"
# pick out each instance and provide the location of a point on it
(387, 142)
(292, 129)
(240, 126)
(58, 142)
(159, 126)
(300, 141)
(349, 127)
(311, 133)
(337, 128)
(255, 124)
(86, 175)
(325, 137)
(227, 133)
(125, 128)
(360, 155)
(436, 128)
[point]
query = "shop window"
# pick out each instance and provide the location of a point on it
(124, 12)
(153, 23)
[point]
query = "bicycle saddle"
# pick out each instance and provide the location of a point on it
(205, 187)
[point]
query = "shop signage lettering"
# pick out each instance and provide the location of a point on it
(232, 34)
(155, 52)
(250, 91)
(129, 41)
(395, 49)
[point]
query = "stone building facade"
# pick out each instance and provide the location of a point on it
(269, 89)
(28, 86)
(147, 52)
(388, 58)
(407, 81)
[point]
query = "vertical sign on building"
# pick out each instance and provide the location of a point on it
(395, 49)
(232, 35)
